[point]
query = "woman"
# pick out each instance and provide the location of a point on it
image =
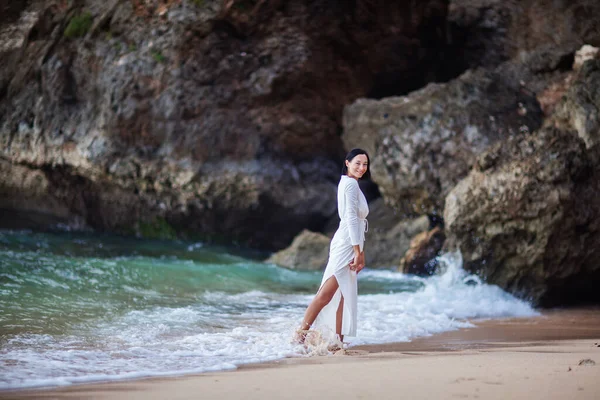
(334, 307)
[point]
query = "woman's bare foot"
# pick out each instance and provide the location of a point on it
(300, 336)
(334, 347)
(337, 344)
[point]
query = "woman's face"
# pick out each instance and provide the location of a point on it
(357, 166)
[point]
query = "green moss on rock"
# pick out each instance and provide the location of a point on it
(159, 228)
(158, 56)
(79, 25)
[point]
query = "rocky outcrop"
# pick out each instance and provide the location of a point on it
(386, 242)
(309, 251)
(526, 218)
(580, 105)
(494, 31)
(219, 118)
(422, 144)
(518, 191)
(585, 54)
(385, 245)
(420, 259)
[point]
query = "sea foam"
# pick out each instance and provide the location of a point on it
(219, 330)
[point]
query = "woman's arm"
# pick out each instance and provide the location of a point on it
(351, 217)
(358, 263)
(351, 213)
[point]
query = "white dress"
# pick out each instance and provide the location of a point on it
(353, 211)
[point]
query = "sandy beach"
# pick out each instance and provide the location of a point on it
(554, 356)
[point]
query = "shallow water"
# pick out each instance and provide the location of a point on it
(78, 307)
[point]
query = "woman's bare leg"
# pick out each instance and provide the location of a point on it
(322, 298)
(338, 319)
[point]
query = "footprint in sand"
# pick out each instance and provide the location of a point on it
(587, 361)
(459, 380)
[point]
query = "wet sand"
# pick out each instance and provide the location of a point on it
(532, 358)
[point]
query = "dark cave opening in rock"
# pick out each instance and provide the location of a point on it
(437, 65)
(576, 291)
(10, 11)
(436, 56)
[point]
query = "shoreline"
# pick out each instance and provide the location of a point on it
(582, 323)
(555, 336)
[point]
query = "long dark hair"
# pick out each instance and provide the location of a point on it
(350, 156)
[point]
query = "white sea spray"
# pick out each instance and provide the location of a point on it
(123, 317)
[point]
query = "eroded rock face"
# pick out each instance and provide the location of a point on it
(495, 31)
(580, 106)
(385, 246)
(422, 144)
(33, 184)
(527, 217)
(424, 248)
(309, 251)
(584, 54)
(220, 118)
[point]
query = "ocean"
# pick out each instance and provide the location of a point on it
(82, 307)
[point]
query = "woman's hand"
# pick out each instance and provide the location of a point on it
(358, 263)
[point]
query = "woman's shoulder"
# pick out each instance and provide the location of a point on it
(347, 182)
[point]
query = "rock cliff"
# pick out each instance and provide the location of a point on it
(424, 143)
(508, 152)
(212, 118)
(223, 119)
(526, 218)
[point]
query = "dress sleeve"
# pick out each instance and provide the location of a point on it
(351, 212)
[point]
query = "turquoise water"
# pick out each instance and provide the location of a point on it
(78, 307)
(52, 283)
